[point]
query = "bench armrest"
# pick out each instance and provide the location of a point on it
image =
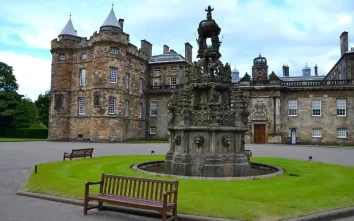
(93, 183)
(167, 193)
(87, 186)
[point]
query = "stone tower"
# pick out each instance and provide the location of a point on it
(97, 85)
(207, 121)
(260, 68)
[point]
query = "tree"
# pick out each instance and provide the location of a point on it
(43, 103)
(25, 114)
(7, 79)
(9, 101)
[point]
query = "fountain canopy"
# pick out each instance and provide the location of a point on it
(207, 118)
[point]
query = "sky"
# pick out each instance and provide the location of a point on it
(292, 32)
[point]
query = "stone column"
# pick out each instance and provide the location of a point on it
(277, 115)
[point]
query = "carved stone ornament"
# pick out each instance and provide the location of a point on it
(226, 140)
(177, 140)
(199, 141)
(259, 110)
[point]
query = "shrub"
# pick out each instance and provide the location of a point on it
(26, 133)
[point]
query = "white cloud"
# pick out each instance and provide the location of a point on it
(33, 74)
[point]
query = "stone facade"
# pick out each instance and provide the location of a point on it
(152, 79)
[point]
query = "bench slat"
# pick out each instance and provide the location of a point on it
(147, 190)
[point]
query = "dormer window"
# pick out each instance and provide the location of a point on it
(114, 50)
(158, 69)
(83, 57)
(62, 57)
(174, 68)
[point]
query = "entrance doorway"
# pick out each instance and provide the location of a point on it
(259, 133)
(293, 136)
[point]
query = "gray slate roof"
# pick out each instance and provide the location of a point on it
(303, 78)
(167, 58)
(111, 21)
(68, 29)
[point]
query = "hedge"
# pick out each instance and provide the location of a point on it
(26, 133)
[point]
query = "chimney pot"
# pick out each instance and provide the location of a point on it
(166, 49)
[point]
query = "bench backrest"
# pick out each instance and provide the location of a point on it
(135, 187)
(82, 152)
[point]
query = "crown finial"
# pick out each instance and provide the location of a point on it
(70, 15)
(112, 4)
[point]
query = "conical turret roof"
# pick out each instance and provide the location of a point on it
(111, 21)
(69, 29)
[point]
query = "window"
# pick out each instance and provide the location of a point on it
(62, 57)
(316, 107)
(96, 99)
(140, 85)
(113, 75)
(292, 104)
(58, 101)
(174, 68)
(140, 110)
(112, 106)
(126, 110)
(316, 132)
(114, 50)
(158, 69)
(153, 108)
(81, 106)
(341, 105)
(156, 82)
(83, 57)
(82, 77)
(152, 130)
(127, 81)
(342, 133)
(173, 81)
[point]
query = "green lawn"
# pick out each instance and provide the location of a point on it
(305, 188)
(4, 139)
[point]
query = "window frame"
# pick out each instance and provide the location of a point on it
(173, 68)
(62, 57)
(127, 81)
(112, 107)
(114, 50)
(344, 131)
(140, 110)
(157, 69)
(156, 80)
(289, 109)
(317, 110)
(153, 104)
(83, 56)
(171, 81)
(153, 129)
(126, 108)
(113, 75)
(315, 134)
(341, 109)
(81, 106)
(141, 85)
(82, 77)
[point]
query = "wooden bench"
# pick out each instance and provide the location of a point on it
(159, 195)
(77, 153)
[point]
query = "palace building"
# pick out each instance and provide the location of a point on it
(105, 89)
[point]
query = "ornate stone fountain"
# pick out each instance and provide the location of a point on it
(207, 119)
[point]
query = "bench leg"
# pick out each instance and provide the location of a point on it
(85, 206)
(174, 213)
(164, 216)
(100, 206)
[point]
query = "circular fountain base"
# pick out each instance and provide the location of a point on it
(257, 171)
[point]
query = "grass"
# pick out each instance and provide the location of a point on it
(305, 188)
(4, 139)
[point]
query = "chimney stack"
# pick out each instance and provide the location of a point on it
(121, 22)
(172, 51)
(316, 70)
(166, 49)
(343, 43)
(188, 48)
(285, 70)
(147, 48)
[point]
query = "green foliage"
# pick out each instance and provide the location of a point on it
(2, 139)
(38, 125)
(7, 78)
(42, 104)
(26, 114)
(9, 101)
(305, 188)
(26, 133)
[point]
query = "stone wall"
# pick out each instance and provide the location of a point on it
(96, 124)
(328, 122)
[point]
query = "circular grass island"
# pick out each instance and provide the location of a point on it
(304, 187)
